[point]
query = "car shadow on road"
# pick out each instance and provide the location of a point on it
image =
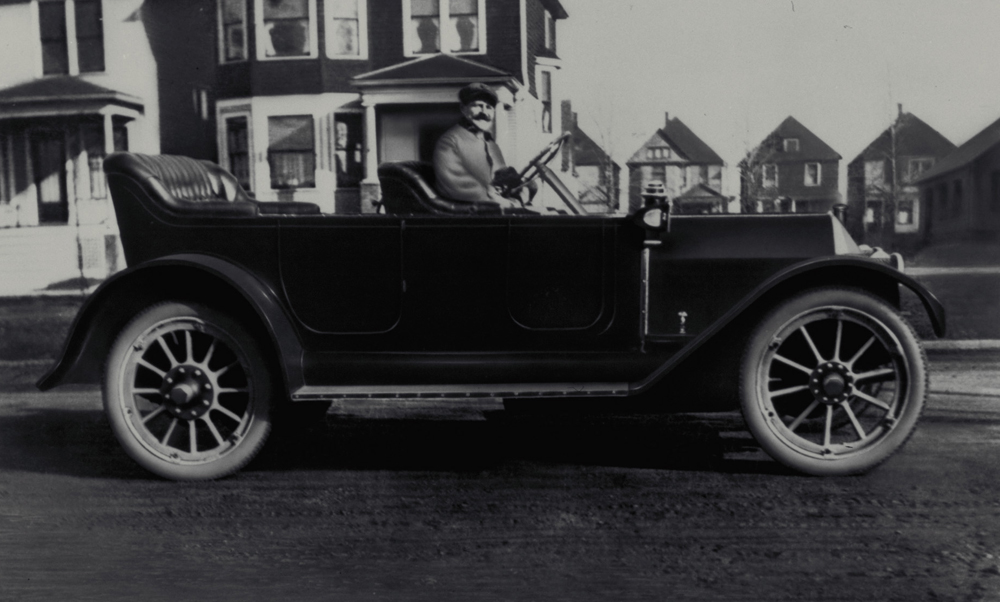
(58, 441)
(669, 442)
(80, 443)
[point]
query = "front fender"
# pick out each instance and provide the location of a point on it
(837, 270)
(205, 279)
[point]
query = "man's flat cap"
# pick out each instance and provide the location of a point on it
(477, 91)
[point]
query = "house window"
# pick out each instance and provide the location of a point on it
(658, 153)
(199, 98)
(546, 96)
(654, 173)
(346, 29)
(770, 176)
(291, 151)
(55, 51)
(873, 211)
(791, 145)
(286, 28)
(995, 191)
(550, 32)
(89, 36)
(703, 174)
(451, 26)
(238, 149)
(917, 167)
(813, 174)
(956, 205)
(232, 30)
(875, 174)
(904, 213)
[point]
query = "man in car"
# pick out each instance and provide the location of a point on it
(467, 161)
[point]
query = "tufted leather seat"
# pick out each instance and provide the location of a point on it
(408, 187)
(191, 185)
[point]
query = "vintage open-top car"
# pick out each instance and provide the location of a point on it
(233, 312)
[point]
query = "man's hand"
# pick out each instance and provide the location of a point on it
(506, 179)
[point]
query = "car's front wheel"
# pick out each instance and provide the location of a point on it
(833, 382)
(187, 392)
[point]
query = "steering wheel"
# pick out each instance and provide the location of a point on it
(534, 167)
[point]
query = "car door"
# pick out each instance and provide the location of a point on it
(343, 274)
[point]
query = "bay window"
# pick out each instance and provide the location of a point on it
(449, 26)
(286, 28)
(346, 29)
(291, 151)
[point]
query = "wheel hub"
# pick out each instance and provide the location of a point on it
(188, 392)
(831, 383)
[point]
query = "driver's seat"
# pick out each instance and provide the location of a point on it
(409, 187)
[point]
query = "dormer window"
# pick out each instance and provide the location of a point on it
(444, 26)
(791, 145)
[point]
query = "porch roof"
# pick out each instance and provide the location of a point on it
(433, 70)
(62, 95)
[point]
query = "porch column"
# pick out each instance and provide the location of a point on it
(370, 191)
(109, 135)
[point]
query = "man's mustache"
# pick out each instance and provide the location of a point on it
(481, 117)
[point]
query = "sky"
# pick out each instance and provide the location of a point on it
(733, 70)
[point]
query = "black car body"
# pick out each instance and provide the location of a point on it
(438, 299)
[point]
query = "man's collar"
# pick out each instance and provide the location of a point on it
(474, 129)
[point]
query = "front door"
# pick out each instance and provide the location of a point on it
(48, 156)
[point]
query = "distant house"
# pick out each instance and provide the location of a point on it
(961, 193)
(680, 160)
(595, 178)
(791, 171)
(885, 207)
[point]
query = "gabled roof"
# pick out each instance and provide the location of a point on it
(588, 152)
(967, 153)
(700, 191)
(913, 138)
(435, 69)
(64, 90)
(811, 148)
(683, 141)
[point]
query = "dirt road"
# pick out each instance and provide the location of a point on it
(431, 502)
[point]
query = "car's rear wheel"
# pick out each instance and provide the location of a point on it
(833, 382)
(187, 392)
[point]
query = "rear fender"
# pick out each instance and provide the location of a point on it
(207, 280)
(865, 274)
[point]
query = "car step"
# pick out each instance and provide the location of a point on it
(309, 393)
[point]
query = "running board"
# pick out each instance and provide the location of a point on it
(309, 393)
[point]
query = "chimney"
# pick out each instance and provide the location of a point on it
(666, 119)
(568, 121)
(900, 106)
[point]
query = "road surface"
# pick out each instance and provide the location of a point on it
(425, 501)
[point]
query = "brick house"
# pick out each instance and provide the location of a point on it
(790, 171)
(689, 169)
(884, 203)
(961, 193)
(311, 95)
